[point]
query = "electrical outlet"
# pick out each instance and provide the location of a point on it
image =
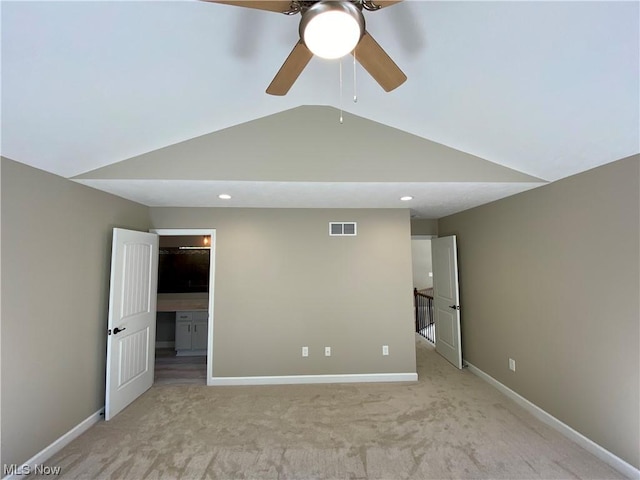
(385, 349)
(327, 351)
(305, 351)
(512, 365)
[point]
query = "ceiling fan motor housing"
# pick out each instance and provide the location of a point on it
(346, 11)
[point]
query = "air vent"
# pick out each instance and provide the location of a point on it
(343, 229)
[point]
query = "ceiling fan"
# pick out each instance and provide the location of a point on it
(346, 12)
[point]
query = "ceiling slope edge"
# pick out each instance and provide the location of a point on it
(309, 144)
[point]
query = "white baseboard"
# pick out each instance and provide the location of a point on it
(589, 445)
(308, 379)
(41, 457)
(165, 344)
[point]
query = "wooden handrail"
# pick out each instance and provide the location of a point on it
(422, 293)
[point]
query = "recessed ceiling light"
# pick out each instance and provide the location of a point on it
(406, 198)
(224, 196)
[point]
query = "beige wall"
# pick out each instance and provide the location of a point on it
(551, 278)
(282, 283)
(286, 147)
(56, 247)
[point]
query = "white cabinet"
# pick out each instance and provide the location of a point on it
(191, 332)
(183, 335)
(199, 337)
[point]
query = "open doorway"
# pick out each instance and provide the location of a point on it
(185, 290)
(422, 266)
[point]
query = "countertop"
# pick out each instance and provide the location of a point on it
(174, 302)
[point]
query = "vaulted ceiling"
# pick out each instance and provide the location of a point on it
(164, 102)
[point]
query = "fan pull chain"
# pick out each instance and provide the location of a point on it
(341, 119)
(355, 91)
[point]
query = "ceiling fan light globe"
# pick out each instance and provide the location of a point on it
(332, 34)
(332, 29)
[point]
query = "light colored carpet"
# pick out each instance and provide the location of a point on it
(448, 425)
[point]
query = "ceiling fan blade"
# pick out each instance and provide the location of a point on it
(379, 65)
(385, 3)
(290, 70)
(279, 6)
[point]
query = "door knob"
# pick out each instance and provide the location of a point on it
(455, 307)
(118, 330)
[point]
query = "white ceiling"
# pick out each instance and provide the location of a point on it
(545, 88)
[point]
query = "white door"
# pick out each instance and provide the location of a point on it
(132, 318)
(446, 306)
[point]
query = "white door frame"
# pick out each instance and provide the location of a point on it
(212, 275)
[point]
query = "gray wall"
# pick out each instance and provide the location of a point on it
(165, 327)
(282, 283)
(56, 247)
(424, 226)
(550, 277)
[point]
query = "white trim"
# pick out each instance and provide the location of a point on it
(163, 232)
(423, 237)
(166, 344)
(48, 452)
(307, 379)
(589, 445)
(212, 278)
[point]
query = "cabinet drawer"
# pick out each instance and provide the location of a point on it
(200, 316)
(184, 316)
